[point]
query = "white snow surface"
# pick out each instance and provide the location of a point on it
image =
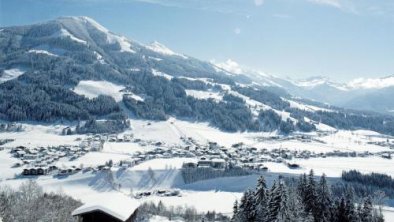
(41, 51)
(301, 106)
(63, 33)
(333, 167)
(370, 83)
(230, 66)
(92, 89)
(162, 49)
(10, 74)
(125, 45)
(156, 72)
(216, 194)
(199, 94)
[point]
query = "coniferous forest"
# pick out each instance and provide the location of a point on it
(307, 200)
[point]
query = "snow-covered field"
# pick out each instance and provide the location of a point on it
(333, 167)
(36, 135)
(198, 94)
(92, 89)
(10, 74)
(214, 194)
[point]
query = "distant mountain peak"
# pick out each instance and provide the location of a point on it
(82, 20)
(372, 83)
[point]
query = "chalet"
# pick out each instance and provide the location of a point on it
(19, 154)
(111, 210)
(218, 163)
(386, 155)
(293, 165)
(26, 172)
(204, 163)
(33, 171)
(189, 164)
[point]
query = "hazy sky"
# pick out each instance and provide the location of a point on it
(341, 39)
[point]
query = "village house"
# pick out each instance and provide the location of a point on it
(114, 209)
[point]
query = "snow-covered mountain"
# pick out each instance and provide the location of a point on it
(73, 68)
(362, 94)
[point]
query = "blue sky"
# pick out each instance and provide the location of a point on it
(341, 39)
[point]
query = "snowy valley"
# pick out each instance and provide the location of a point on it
(96, 116)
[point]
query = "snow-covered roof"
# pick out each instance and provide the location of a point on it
(217, 160)
(119, 207)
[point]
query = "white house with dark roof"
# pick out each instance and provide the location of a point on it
(116, 209)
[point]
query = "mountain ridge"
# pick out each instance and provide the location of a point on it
(62, 55)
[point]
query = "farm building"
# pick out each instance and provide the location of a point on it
(110, 210)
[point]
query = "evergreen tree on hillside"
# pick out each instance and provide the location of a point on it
(247, 207)
(311, 195)
(350, 208)
(324, 200)
(303, 201)
(261, 197)
(366, 210)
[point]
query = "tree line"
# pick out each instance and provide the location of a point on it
(309, 200)
(30, 203)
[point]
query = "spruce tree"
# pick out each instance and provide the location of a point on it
(340, 212)
(261, 199)
(324, 201)
(311, 196)
(273, 203)
(350, 208)
(366, 210)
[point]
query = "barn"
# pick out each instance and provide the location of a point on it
(108, 210)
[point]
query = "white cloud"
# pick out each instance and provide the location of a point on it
(237, 31)
(258, 2)
(332, 3)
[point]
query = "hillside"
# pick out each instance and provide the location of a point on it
(74, 69)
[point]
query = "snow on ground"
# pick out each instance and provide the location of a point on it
(163, 219)
(162, 74)
(202, 201)
(93, 159)
(162, 164)
(334, 166)
(63, 33)
(215, 194)
(134, 96)
(388, 213)
(199, 94)
(123, 148)
(171, 130)
(93, 89)
(10, 74)
(99, 57)
(35, 135)
(162, 49)
(124, 44)
(155, 58)
(162, 131)
(6, 162)
(135, 69)
(324, 127)
(41, 51)
(298, 105)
